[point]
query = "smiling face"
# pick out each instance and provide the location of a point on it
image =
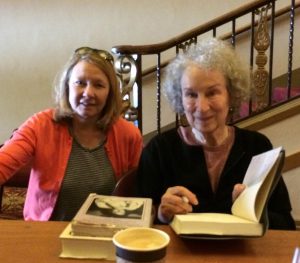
(88, 91)
(205, 100)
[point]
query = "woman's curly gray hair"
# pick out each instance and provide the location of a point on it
(210, 54)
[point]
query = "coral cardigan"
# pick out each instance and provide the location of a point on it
(48, 144)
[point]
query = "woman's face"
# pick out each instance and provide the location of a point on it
(205, 99)
(88, 90)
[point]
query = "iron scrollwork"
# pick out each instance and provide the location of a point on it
(261, 44)
(126, 69)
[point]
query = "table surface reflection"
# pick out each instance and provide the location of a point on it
(39, 242)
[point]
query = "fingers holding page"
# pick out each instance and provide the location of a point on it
(237, 190)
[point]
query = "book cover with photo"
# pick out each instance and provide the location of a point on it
(103, 216)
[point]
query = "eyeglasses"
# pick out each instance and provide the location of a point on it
(102, 53)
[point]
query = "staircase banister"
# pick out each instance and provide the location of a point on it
(160, 47)
(278, 13)
(127, 49)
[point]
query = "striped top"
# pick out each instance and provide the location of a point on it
(88, 171)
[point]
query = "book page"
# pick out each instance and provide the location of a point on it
(260, 173)
(216, 224)
(212, 218)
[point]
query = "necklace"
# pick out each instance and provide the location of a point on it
(88, 139)
(202, 140)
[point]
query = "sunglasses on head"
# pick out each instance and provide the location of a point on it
(102, 53)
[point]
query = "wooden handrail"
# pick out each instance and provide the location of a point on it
(278, 13)
(131, 70)
(291, 162)
(160, 47)
(126, 49)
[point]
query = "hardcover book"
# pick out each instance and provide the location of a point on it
(249, 211)
(103, 216)
(83, 247)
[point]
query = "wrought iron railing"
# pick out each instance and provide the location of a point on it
(258, 18)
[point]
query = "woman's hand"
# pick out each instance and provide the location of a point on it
(237, 189)
(176, 200)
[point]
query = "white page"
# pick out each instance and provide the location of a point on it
(259, 167)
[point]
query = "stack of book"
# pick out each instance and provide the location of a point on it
(89, 234)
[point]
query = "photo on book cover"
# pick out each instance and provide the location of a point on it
(115, 207)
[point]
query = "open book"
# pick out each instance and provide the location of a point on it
(103, 216)
(249, 211)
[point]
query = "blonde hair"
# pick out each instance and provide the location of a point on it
(113, 105)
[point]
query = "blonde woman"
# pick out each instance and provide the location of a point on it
(81, 146)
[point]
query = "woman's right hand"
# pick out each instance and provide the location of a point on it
(237, 190)
(176, 200)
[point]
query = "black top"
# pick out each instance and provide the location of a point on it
(168, 161)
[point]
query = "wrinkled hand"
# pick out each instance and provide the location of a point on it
(237, 190)
(176, 200)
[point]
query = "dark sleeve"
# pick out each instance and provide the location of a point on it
(150, 177)
(279, 208)
(279, 205)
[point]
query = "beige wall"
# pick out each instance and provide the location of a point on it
(37, 37)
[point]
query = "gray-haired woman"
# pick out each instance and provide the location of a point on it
(200, 167)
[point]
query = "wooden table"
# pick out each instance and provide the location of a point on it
(38, 242)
